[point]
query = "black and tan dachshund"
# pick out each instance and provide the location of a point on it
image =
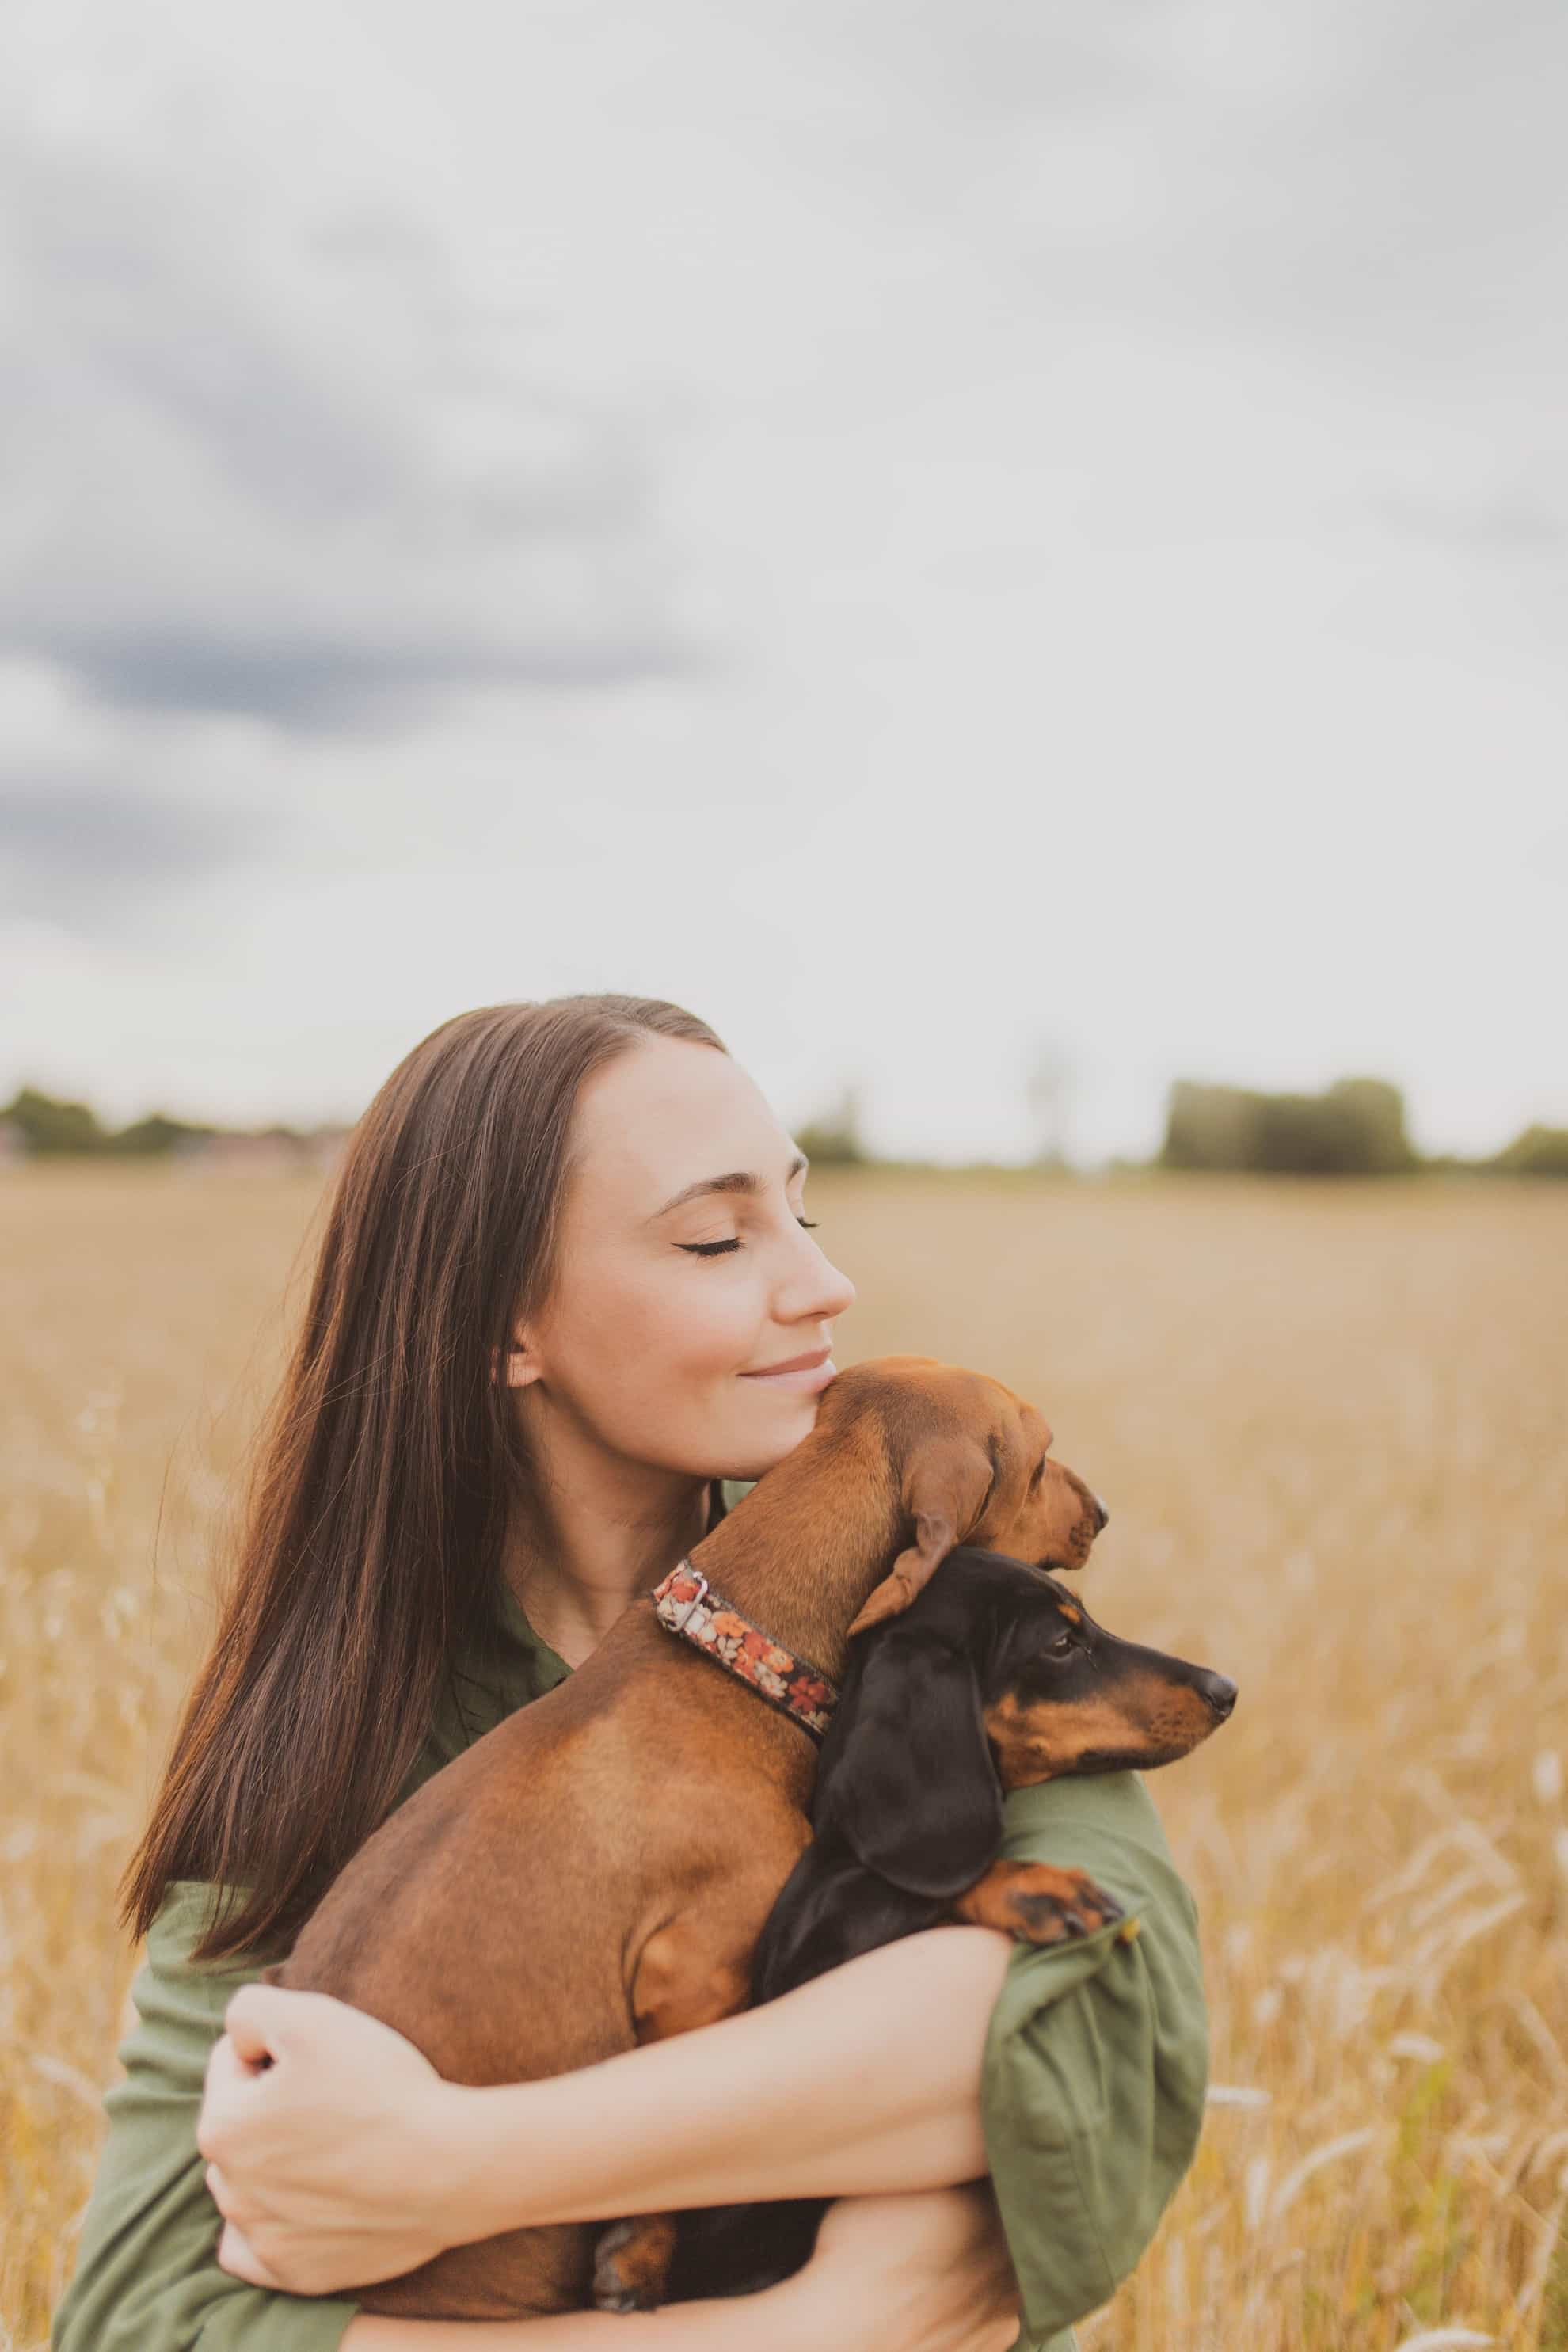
(994, 1678)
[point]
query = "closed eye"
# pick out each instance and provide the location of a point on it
(714, 1249)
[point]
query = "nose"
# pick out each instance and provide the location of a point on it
(1219, 1690)
(1104, 1518)
(826, 1291)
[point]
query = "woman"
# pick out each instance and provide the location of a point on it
(565, 1258)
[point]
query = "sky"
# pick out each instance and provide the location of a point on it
(940, 536)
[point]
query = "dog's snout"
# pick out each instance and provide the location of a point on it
(1219, 1690)
(1102, 1513)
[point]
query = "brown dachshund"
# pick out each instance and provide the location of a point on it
(605, 1860)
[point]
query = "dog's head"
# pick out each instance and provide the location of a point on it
(974, 1464)
(992, 1678)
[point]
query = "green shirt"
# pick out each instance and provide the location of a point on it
(1091, 2090)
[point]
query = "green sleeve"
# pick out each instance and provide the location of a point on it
(147, 2276)
(1096, 2060)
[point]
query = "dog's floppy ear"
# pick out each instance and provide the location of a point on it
(946, 1482)
(906, 1778)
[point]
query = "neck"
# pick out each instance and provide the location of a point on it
(600, 1546)
(801, 1570)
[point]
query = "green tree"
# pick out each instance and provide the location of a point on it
(49, 1126)
(833, 1138)
(1539, 1151)
(1356, 1128)
(156, 1134)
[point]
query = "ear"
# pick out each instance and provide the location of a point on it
(906, 1779)
(521, 1364)
(946, 1482)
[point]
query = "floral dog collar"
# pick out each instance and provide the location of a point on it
(687, 1604)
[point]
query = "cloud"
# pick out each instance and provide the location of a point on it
(1005, 392)
(62, 842)
(272, 460)
(1374, 186)
(1513, 522)
(314, 678)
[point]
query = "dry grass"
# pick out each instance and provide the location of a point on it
(1330, 1425)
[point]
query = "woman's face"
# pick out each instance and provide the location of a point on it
(663, 1315)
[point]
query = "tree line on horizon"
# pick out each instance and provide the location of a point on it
(1355, 1128)
(45, 1126)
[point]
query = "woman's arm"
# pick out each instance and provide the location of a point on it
(866, 2080)
(1080, 2089)
(1097, 2057)
(922, 2274)
(771, 2323)
(890, 2274)
(147, 2277)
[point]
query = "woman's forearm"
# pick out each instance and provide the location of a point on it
(337, 2155)
(769, 2324)
(866, 2080)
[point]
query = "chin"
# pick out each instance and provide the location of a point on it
(762, 1454)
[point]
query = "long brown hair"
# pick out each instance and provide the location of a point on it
(387, 1467)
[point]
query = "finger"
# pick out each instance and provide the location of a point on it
(243, 2213)
(225, 2068)
(226, 2076)
(256, 2022)
(236, 2255)
(220, 2055)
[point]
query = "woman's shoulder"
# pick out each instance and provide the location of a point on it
(502, 1666)
(173, 1990)
(183, 1917)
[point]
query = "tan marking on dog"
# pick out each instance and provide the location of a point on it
(1040, 1741)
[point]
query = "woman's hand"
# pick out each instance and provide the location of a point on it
(327, 2164)
(926, 2271)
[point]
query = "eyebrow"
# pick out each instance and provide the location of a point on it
(738, 1180)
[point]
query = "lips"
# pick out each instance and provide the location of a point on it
(793, 1364)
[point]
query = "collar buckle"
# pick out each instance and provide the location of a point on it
(678, 1624)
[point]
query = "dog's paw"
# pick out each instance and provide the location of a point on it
(631, 2262)
(1053, 1904)
(1039, 1903)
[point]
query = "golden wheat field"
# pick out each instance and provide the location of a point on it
(1329, 1422)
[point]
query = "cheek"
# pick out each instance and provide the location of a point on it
(648, 1363)
(641, 1323)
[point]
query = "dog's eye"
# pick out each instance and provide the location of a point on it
(1060, 1646)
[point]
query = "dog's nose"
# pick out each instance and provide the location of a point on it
(1219, 1690)
(1100, 1507)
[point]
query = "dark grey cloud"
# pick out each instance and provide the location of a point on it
(76, 849)
(312, 681)
(284, 468)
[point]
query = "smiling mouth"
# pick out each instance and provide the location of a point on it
(794, 1364)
